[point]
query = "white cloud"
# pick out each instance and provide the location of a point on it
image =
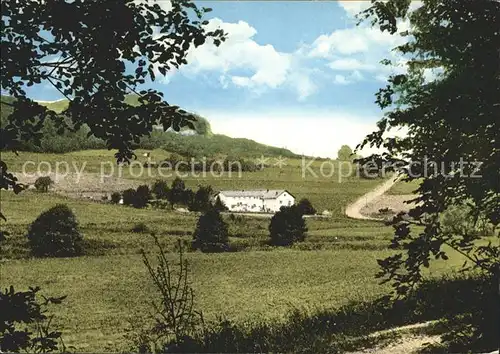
(244, 63)
(381, 78)
(166, 5)
(432, 74)
(341, 80)
(350, 64)
(355, 53)
(352, 8)
(344, 41)
(241, 81)
(269, 67)
(223, 82)
(354, 40)
(303, 85)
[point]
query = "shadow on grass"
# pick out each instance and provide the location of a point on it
(93, 247)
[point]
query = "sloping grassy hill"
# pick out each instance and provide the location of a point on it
(201, 142)
(209, 146)
(201, 126)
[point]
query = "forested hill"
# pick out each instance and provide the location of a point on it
(200, 142)
(201, 126)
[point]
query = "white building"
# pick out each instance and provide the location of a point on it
(256, 201)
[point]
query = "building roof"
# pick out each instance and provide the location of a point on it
(257, 193)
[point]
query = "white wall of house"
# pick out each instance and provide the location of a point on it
(242, 204)
(257, 204)
(274, 205)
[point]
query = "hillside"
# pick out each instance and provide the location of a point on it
(201, 126)
(200, 142)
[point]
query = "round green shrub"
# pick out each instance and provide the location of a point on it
(142, 196)
(287, 226)
(140, 228)
(55, 233)
(129, 196)
(116, 197)
(42, 184)
(160, 189)
(211, 234)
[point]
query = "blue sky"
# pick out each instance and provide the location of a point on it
(295, 74)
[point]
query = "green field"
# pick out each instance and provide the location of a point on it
(109, 286)
(331, 191)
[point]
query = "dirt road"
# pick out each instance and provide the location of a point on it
(353, 210)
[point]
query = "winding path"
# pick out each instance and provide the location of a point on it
(353, 210)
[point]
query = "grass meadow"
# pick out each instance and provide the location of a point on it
(109, 286)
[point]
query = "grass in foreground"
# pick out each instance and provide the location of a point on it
(103, 292)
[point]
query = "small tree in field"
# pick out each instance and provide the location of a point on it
(42, 184)
(174, 311)
(55, 233)
(177, 193)
(160, 189)
(129, 196)
(211, 233)
(188, 198)
(115, 197)
(142, 196)
(201, 199)
(287, 226)
(305, 207)
(345, 153)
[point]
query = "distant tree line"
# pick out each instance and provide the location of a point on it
(162, 195)
(188, 163)
(203, 143)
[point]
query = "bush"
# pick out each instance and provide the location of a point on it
(129, 197)
(188, 199)
(460, 220)
(305, 207)
(116, 197)
(287, 226)
(177, 193)
(160, 189)
(55, 233)
(142, 196)
(174, 310)
(140, 228)
(211, 233)
(137, 198)
(42, 184)
(201, 200)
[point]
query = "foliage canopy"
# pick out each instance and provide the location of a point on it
(452, 141)
(73, 46)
